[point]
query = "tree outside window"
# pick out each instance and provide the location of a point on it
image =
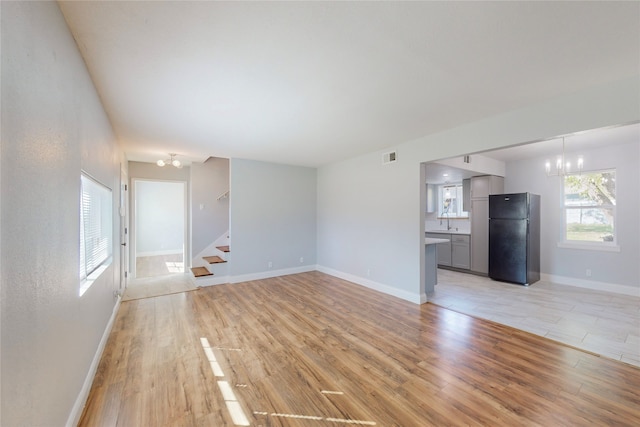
(589, 205)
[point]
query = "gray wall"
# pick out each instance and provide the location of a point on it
(370, 217)
(273, 216)
(208, 181)
(53, 125)
(618, 268)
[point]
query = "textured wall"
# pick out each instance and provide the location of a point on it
(273, 216)
(53, 125)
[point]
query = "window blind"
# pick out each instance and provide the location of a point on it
(95, 226)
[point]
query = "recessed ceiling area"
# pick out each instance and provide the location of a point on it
(310, 83)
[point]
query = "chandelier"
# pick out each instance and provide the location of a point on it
(563, 166)
(170, 161)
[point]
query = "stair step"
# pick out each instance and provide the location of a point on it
(224, 248)
(213, 259)
(201, 271)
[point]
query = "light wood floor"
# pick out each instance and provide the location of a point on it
(604, 323)
(313, 350)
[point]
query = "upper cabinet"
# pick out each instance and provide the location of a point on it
(431, 198)
(466, 194)
(482, 186)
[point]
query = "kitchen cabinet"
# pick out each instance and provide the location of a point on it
(455, 252)
(466, 195)
(443, 249)
(480, 235)
(460, 251)
(481, 188)
(431, 198)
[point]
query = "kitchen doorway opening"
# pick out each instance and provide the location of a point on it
(160, 227)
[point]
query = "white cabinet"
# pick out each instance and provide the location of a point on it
(466, 194)
(481, 188)
(460, 255)
(456, 253)
(431, 198)
(480, 235)
(443, 249)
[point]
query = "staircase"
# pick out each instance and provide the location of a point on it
(212, 262)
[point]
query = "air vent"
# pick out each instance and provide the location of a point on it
(390, 157)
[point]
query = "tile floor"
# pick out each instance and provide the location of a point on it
(159, 265)
(604, 323)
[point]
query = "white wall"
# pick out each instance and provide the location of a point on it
(371, 217)
(209, 216)
(272, 218)
(608, 268)
(53, 125)
(160, 217)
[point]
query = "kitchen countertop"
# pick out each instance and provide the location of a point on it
(432, 241)
(466, 233)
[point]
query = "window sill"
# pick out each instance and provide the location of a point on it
(590, 247)
(86, 283)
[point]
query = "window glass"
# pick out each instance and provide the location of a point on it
(589, 205)
(450, 196)
(96, 219)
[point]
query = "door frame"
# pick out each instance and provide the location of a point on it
(132, 231)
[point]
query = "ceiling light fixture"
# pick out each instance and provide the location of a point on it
(171, 161)
(563, 167)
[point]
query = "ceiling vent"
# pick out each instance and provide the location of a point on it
(390, 157)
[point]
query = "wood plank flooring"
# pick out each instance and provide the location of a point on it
(313, 350)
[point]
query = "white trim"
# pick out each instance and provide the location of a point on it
(270, 273)
(199, 282)
(81, 400)
(603, 247)
(591, 284)
(376, 286)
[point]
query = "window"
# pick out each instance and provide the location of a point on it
(590, 207)
(450, 205)
(96, 219)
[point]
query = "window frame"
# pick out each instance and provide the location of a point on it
(90, 268)
(460, 202)
(589, 244)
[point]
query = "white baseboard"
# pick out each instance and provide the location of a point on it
(380, 287)
(591, 284)
(81, 400)
(209, 280)
(271, 273)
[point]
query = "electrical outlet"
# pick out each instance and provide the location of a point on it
(368, 272)
(270, 264)
(588, 272)
(301, 260)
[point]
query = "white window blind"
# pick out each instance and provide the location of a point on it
(96, 219)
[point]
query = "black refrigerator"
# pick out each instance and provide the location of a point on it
(514, 238)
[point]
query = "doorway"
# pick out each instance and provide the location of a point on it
(159, 219)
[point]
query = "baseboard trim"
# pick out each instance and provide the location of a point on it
(81, 400)
(271, 273)
(376, 286)
(158, 253)
(209, 280)
(591, 284)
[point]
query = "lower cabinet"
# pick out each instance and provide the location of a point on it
(460, 252)
(456, 253)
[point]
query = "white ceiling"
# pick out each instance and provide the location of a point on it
(309, 83)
